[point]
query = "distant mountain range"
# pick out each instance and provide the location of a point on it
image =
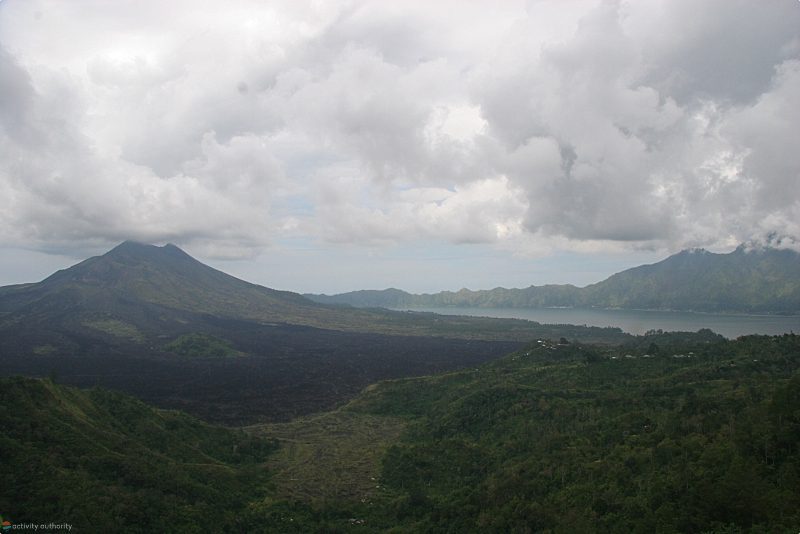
(747, 280)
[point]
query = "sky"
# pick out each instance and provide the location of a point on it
(327, 146)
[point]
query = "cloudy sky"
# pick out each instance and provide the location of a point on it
(329, 146)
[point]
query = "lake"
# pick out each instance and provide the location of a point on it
(639, 322)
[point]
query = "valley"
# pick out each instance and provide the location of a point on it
(669, 433)
(279, 371)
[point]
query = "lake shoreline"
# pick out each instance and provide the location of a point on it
(668, 310)
(635, 322)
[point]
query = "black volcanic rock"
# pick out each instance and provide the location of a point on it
(119, 320)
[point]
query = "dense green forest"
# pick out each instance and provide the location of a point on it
(105, 462)
(667, 433)
(662, 435)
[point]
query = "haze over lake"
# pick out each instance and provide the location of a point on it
(640, 321)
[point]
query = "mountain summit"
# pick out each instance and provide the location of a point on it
(150, 291)
(135, 267)
(155, 322)
(135, 273)
(764, 280)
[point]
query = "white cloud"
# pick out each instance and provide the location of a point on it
(484, 211)
(585, 125)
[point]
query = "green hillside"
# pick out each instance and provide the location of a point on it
(761, 280)
(668, 433)
(105, 462)
(663, 435)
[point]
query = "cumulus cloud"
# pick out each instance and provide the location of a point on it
(647, 157)
(657, 124)
(479, 212)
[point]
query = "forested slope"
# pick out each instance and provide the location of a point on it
(105, 462)
(664, 435)
(668, 433)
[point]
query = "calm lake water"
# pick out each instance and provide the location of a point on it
(639, 322)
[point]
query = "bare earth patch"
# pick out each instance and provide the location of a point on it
(332, 456)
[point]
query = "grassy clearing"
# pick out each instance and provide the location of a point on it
(116, 328)
(44, 350)
(330, 457)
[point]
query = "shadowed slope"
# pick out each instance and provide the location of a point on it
(156, 323)
(145, 285)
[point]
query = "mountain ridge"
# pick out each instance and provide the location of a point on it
(746, 280)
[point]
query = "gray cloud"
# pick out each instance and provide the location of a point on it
(650, 162)
(634, 124)
(717, 49)
(17, 95)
